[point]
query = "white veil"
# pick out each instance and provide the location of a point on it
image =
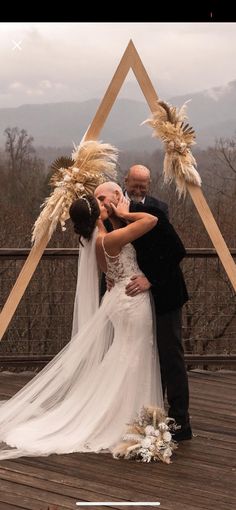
(87, 289)
(65, 376)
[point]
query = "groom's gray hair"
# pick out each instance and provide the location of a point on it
(109, 186)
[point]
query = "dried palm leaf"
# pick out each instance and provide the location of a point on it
(120, 450)
(62, 162)
(168, 123)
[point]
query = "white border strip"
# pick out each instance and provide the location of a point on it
(119, 503)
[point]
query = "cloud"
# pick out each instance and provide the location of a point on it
(40, 88)
(218, 92)
(76, 61)
(16, 85)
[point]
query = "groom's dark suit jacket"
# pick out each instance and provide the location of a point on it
(159, 253)
(155, 202)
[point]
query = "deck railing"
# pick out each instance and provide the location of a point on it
(42, 323)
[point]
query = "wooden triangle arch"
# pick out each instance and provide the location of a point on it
(130, 60)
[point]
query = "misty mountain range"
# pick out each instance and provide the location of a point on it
(212, 113)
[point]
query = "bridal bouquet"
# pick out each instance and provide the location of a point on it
(148, 438)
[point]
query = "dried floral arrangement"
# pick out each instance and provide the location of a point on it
(168, 123)
(91, 164)
(148, 438)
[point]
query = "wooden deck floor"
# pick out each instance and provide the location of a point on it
(202, 475)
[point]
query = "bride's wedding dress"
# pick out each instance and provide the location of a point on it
(84, 398)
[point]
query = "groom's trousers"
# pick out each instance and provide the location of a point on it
(173, 370)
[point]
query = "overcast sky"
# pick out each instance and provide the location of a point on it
(55, 62)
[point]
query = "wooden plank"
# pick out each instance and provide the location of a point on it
(18, 253)
(21, 253)
(37, 495)
(154, 471)
(24, 503)
(60, 487)
(218, 375)
(143, 79)
(166, 485)
(15, 469)
(5, 506)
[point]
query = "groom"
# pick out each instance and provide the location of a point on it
(159, 253)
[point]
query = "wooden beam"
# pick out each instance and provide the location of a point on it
(143, 79)
(43, 359)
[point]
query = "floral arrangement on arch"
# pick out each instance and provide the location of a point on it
(169, 125)
(148, 438)
(91, 164)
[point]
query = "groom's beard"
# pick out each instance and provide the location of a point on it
(136, 198)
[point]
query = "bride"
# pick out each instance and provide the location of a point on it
(84, 398)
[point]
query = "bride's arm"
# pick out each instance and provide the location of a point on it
(140, 223)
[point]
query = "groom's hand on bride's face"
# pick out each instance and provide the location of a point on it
(137, 284)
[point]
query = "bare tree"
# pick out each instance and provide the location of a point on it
(19, 148)
(226, 150)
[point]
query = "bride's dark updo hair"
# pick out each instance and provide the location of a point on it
(84, 213)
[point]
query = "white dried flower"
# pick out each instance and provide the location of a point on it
(149, 430)
(157, 432)
(79, 186)
(75, 170)
(67, 178)
(162, 426)
(145, 454)
(167, 453)
(132, 437)
(146, 442)
(160, 444)
(167, 436)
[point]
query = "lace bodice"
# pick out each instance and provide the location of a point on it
(122, 266)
